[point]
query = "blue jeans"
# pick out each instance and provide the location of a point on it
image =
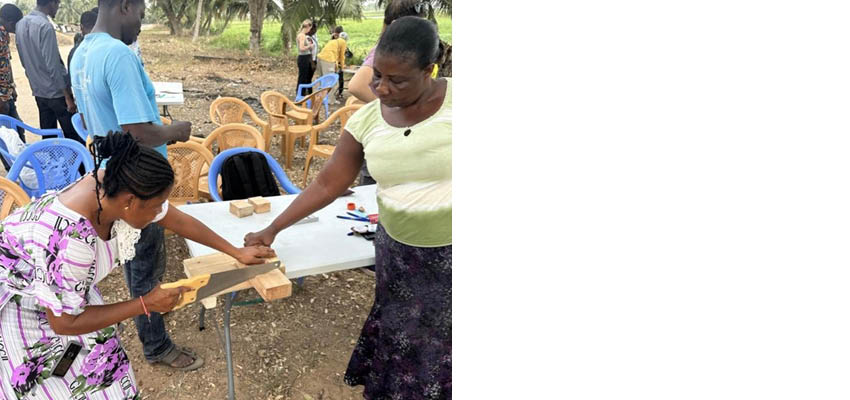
(142, 274)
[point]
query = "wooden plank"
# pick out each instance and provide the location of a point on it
(217, 262)
(211, 264)
(271, 285)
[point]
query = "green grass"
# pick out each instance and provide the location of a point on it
(362, 35)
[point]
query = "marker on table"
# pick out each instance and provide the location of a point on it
(357, 214)
(353, 218)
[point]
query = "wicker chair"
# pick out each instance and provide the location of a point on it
(276, 105)
(11, 197)
(233, 135)
(188, 160)
(226, 137)
(326, 150)
(227, 110)
(315, 100)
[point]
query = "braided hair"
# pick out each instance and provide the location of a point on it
(139, 170)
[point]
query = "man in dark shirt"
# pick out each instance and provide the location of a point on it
(45, 71)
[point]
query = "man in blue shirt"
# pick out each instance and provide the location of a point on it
(114, 93)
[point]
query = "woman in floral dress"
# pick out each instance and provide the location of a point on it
(55, 250)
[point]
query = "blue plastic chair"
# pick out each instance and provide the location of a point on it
(77, 121)
(324, 81)
(218, 161)
(12, 123)
(56, 163)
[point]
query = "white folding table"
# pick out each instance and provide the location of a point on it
(305, 249)
(168, 94)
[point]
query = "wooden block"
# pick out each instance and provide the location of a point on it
(272, 285)
(261, 204)
(241, 208)
(208, 303)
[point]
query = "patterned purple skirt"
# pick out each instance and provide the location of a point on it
(405, 348)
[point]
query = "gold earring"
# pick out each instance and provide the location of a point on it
(126, 208)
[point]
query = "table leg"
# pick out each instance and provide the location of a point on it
(165, 113)
(201, 318)
(231, 392)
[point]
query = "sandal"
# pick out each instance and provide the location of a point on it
(170, 359)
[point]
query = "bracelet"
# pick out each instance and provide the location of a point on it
(147, 313)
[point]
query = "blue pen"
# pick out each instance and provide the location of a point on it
(352, 218)
(358, 214)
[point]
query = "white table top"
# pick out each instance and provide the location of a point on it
(168, 93)
(305, 249)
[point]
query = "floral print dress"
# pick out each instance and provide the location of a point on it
(50, 261)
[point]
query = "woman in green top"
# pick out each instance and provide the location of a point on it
(404, 349)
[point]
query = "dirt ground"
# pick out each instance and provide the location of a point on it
(295, 348)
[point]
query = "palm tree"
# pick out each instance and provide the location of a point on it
(70, 10)
(223, 10)
(257, 9)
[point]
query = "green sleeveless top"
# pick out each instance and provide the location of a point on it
(414, 172)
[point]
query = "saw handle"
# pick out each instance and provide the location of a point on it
(193, 284)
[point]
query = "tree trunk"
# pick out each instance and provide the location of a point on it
(286, 40)
(257, 8)
(207, 23)
(198, 20)
(182, 13)
(173, 22)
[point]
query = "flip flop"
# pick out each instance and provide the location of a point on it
(169, 359)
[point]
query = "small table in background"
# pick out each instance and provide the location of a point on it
(168, 94)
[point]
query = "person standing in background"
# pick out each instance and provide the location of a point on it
(48, 78)
(305, 56)
(332, 57)
(87, 20)
(137, 50)
(315, 50)
(10, 14)
(347, 53)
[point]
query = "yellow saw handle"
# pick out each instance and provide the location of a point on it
(194, 283)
